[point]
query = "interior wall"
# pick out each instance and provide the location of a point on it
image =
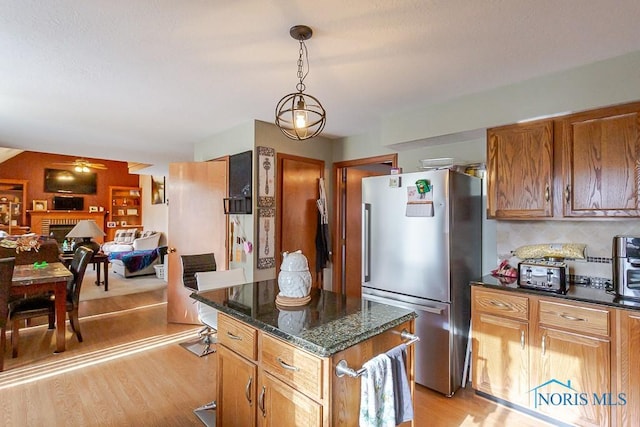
(154, 217)
(30, 166)
(595, 85)
(248, 136)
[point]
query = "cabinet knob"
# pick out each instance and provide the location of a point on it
(171, 250)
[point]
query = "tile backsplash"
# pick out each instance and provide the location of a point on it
(597, 235)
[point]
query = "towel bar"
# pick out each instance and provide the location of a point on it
(342, 368)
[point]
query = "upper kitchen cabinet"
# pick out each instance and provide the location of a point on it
(520, 170)
(600, 155)
(582, 165)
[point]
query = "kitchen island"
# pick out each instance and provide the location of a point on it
(277, 365)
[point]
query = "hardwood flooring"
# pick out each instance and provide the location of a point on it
(130, 370)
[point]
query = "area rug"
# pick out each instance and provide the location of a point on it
(118, 285)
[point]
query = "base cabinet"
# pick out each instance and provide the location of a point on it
(237, 378)
(502, 367)
(628, 365)
(281, 405)
(570, 371)
(552, 357)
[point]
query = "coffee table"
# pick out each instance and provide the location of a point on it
(96, 260)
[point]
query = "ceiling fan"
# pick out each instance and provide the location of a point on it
(82, 165)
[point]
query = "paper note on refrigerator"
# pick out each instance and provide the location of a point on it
(419, 204)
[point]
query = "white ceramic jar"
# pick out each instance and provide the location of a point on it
(294, 279)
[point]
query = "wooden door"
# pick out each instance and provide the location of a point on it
(347, 235)
(520, 170)
(560, 357)
(197, 224)
(601, 151)
(236, 389)
(501, 357)
(282, 406)
(297, 211)
(629, 352)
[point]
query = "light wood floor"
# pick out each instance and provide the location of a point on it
(130, 370)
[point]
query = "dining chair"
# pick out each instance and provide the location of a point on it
(44, 305)
(6, 273)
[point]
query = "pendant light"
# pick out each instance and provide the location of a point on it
(298, 115)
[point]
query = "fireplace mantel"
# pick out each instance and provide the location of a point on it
(41, 220)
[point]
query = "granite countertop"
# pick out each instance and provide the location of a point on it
(576, 292)
(329, 323)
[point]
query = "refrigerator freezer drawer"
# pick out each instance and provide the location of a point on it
(433, 353)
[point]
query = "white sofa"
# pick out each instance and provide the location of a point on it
(127, 240)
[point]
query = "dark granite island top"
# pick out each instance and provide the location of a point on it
(329, 323)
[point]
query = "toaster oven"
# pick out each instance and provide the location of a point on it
(543, 275)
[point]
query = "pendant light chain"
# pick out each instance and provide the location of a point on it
(301, 73)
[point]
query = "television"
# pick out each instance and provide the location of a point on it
(68, 203)
(70, 182)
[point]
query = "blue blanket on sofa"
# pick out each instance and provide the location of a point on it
(136, 260)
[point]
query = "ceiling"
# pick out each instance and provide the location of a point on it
(144, 80)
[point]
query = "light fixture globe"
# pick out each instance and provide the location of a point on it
(298, 115)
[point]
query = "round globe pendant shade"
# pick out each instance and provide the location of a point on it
(300, 116)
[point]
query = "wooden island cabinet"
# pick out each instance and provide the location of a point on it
(277, 365)
(534, 349)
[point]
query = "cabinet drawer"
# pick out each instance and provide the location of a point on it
(293, 366)
(575, 318)
(237, 336)
(501, 304)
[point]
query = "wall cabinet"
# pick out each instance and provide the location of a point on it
(601, 150)
(12, 203)
(520, 170)
(579, 165)
(125, 209)
(528, 346)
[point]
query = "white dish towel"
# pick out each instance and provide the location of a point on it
(376, 393)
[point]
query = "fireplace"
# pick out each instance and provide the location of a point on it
(46, 222)
(59, 231)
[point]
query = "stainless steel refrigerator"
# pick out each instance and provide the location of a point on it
(421, 246)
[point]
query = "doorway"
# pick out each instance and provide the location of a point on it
(297, 209)
(347, 193)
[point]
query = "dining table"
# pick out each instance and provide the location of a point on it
(40, 278)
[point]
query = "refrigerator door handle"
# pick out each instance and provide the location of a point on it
(366, 241)
(428, 309)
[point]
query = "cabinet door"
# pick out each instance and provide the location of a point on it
(236, 389)
(570, 370)
(520, 170)
(501, 357)
(601, 151)
(629, 414)
(282, 406)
